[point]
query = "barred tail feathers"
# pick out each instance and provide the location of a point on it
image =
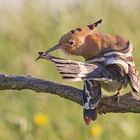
(91, 98)
(89, 115)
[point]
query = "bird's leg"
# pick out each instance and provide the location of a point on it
(117, 95)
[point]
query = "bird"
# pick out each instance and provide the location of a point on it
(109, 64)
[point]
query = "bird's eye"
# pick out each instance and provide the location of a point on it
(70, 42)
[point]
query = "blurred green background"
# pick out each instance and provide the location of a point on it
(29, 26)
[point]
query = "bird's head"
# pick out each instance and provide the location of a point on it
(73, 42)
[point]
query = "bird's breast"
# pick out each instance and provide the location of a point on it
(113, 85)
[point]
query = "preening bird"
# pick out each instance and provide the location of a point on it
(108, 63)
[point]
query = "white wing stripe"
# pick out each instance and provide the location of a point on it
(119, 62)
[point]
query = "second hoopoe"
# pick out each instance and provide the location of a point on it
(108, 63)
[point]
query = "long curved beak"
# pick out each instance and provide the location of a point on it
(40, 55)
(43, 54)
(53, 48)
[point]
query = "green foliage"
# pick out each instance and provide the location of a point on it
(36, 27)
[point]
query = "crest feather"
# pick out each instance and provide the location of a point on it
(92, 26)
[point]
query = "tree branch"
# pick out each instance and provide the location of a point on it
(129, 102)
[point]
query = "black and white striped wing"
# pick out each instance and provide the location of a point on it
(133, 79)
(78, 71)
(122, 58)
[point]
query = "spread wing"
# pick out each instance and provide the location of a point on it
(78, 71)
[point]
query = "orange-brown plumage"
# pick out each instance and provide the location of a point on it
(111, 64)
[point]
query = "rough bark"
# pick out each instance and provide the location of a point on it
(129, 102)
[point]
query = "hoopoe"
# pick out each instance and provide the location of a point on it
(108, 63)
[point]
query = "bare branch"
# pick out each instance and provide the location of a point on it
(129, 102)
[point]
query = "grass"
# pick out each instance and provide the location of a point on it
(33, 29)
